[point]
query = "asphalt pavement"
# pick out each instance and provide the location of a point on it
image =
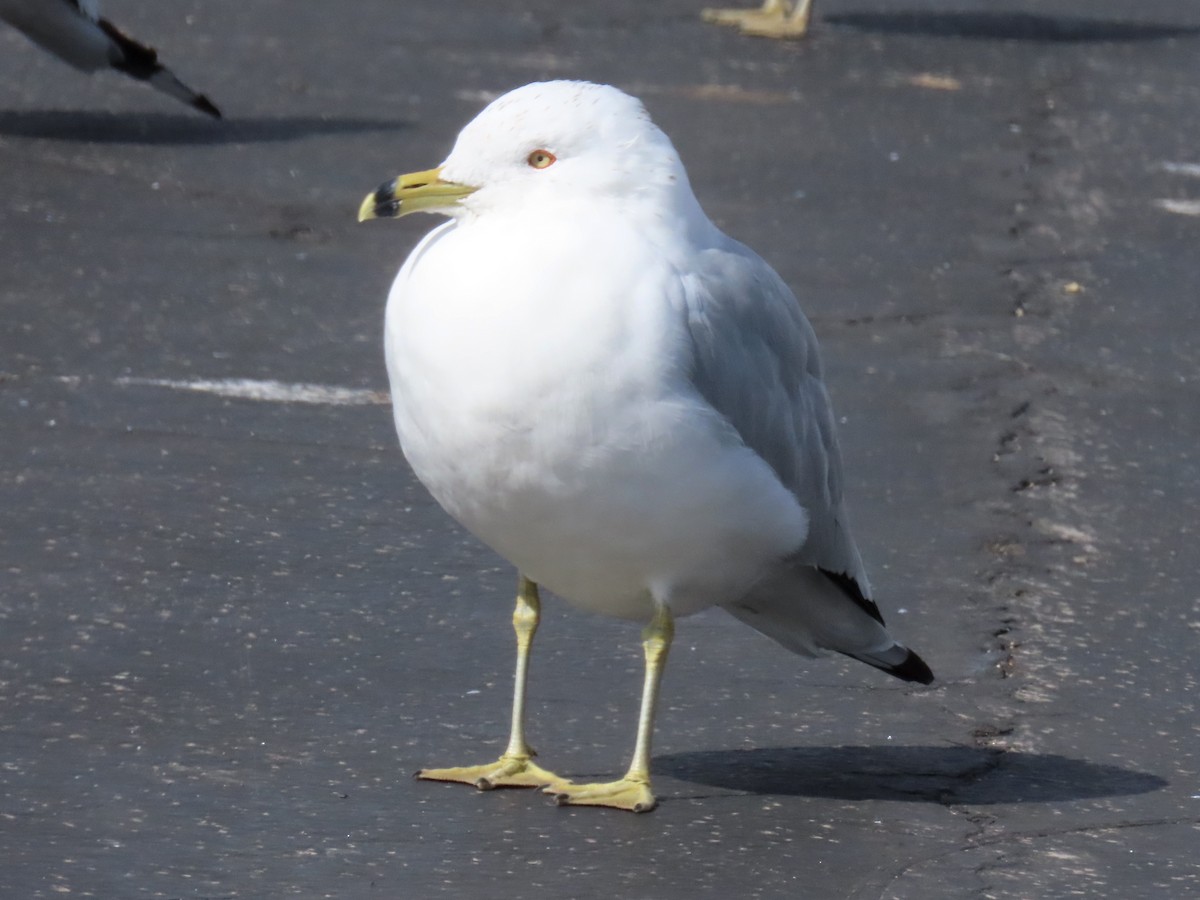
(232, 624)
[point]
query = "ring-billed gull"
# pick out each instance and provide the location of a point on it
(773, 19)
(619, 399)
(74, 32)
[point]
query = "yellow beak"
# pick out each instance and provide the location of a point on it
(416, 192)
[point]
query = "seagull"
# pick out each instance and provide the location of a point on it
(74, 32)
(619, 399)
(775, 18)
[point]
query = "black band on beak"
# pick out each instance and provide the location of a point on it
(386, 204)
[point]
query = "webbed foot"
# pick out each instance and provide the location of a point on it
(632, 794)
(506, 772)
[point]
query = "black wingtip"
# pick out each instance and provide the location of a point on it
(913, 668)
(848, 586)
(141, 62)
(206, 106)
(137, 60)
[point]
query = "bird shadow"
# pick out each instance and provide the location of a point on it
(98, 127)
(943, 775)
(1005, 26)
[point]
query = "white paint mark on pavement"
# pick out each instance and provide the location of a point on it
(267, 390)
(1192, 170)
(1180, 207)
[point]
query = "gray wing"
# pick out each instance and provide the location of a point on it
(756, 362)
(66, 28)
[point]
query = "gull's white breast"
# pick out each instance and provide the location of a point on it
(540, 381)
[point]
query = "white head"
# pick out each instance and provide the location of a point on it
(555, 141)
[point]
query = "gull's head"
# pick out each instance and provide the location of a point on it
(549, 142)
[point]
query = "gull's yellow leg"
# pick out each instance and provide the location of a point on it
(771, 20)
(515, 768)
(633, 791)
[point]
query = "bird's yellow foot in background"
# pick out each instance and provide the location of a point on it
(771, 20)
(507, 772)
(784, 29)
(632, 794)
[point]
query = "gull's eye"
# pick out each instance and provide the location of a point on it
(541, 159)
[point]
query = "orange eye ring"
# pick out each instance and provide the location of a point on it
(541, 159)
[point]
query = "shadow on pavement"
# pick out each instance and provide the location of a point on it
(167, 128)
(923, 774)
(999, 26)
